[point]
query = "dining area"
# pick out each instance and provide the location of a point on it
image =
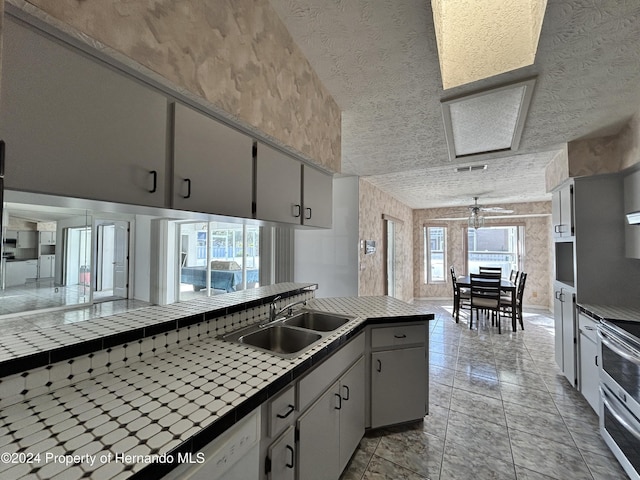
(488, 295)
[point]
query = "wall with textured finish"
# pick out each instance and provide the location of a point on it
(537, 261)
(236, 54)
(557, 171)
(629, 139)
(594, 156)
(374, 203)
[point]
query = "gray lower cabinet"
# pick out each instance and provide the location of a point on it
(74, 126)
(282, 456)
(398, 386)
(565, 332)
(212, 165)
(330, 430)
(589, 379)
(399, 373)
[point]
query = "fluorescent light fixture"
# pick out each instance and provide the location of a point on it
(489, 121)
(481, 39)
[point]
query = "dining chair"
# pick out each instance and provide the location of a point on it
(491, 270)
(505, 300)
(461, 296)
(485, 295)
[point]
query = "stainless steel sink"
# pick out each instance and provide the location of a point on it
(318, 321)
(289, 337)
(280, 339)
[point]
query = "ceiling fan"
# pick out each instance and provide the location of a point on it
(476, 220)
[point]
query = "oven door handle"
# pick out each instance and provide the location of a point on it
(625, 351)
(619, 416)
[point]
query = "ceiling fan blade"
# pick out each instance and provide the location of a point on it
(495, 210)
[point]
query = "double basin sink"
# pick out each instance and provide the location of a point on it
(291, 336)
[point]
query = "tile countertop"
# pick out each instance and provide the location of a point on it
(174, 402)
(611, 312)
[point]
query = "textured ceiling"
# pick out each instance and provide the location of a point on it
(379, 60)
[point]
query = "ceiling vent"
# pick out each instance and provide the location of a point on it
(470, 168)
(490, 121)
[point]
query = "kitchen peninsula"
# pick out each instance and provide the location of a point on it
(172, 386)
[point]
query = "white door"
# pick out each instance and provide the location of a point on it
(121, 260)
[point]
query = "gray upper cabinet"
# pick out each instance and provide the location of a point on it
(317, 198)
(213, 165)
(562, 212)
(76, 127)
(278, 186)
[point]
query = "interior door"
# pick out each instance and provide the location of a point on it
(121, 260)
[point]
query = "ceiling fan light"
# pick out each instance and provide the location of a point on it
(476, 221)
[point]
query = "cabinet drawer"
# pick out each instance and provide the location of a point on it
(314, 383)
(281, 411)
(588, 326)
(398, 335)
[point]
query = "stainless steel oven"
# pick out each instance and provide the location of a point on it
(619, 352)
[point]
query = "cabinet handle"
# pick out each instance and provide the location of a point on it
(291, 464)
(297, 209)
(339, 407)
(309, 216)
(379, 365)
(154, 174)
(290, 410)
(346, 388)
(400, 336)
(596, 358)
(188, 195)
(2, 147)
(587, 327)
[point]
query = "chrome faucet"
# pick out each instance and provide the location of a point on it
(274, 312)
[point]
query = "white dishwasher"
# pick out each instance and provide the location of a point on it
(235, 455)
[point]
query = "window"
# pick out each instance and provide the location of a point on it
(494, 247)
(435, 247)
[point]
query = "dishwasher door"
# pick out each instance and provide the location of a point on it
(235, 455)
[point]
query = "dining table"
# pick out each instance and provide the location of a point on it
(505, 286)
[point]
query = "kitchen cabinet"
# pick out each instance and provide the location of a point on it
(565, 332)
(26, 239)
(562, 211)
(46, 266)
(317, 195)
(278, 186)
(282, 457)
(589, 375)
(18, 271)
(289, 192)
(213, 165)
(47, 238)
(399, 374)
(74, 126)
(631, 205)
(330, 430)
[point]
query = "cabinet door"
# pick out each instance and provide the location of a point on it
(557, 320)
(26, 239)
(278, 186)
(589, 375)
(556, 219)
(566, 211)
(568, 336)
(351, 411)
(213, 165)
(282, 455)
(398, 386)
(317, 195)
(319, 429)
(76, 127)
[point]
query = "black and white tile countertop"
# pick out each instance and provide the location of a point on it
(611, 312)
(34, 348)
(172, 403)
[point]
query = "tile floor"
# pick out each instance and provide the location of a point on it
(498, 409)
